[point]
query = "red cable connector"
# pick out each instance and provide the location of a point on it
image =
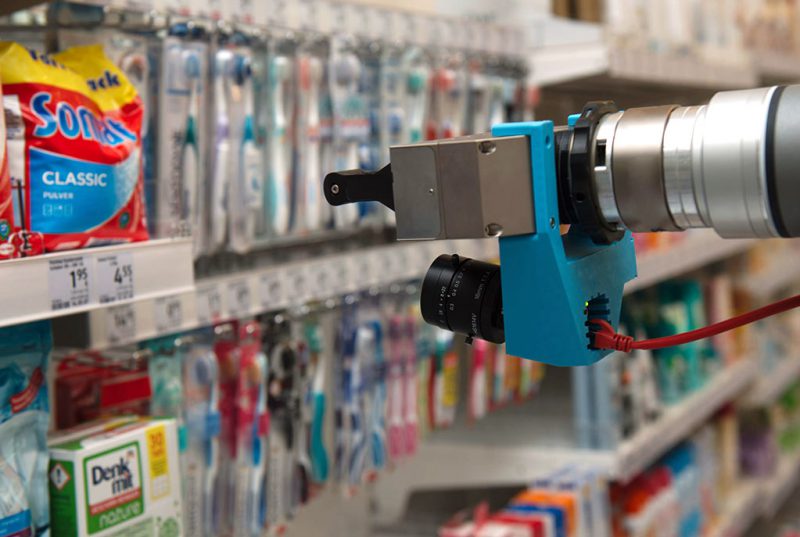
(607, 338)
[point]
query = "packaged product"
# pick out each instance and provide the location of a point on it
(122, 481)
(6, 194)
(74, 147)
(24, 416)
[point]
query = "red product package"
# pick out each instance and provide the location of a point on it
(6, 206)
(74, 147)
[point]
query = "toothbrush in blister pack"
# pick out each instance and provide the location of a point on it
(392, 119)
(350, 122)
(201, 457)
(377, 390)
(369, 147)
(259, 65)
(309, 201)
(301, 414)
(497, 112)
(417, 97)
(246, 189)
(280, 478)
(220, 165)
(228, 357)
(181, 91)
(450, 101)
(412, 408)
(395, 384)
(252, 430)
(344, 398)
(317, 403)
(279, 192)
(478, 99)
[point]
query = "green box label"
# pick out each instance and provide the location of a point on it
(63, 508)
(113, 487)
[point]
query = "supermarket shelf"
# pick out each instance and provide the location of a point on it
(331, 513)
(679, 421)
(10, 6)
(771, 386)
(677, 70)
(93, 279)
(240, 294)
(700, 249)
(782, 272)
(554, 59)
(740, 511)
(778, 67)
(776, 490)
(518, 444)
(562, 63)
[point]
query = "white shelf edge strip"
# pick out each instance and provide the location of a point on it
(699, 250)
(64, 283)
(772, 385)
(740, 510)
(277, 287)
(776, 489)
(677, 422)
(782, 272)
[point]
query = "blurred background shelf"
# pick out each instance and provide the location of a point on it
(776, 490)
(771, 386)
(700, 249)
(740, 511)
(517, 444)
(782, 271)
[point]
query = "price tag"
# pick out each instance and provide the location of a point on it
(338, 14)
(340, 276)
(246, 11)
(324, 280)
(307, 15)
(70, 282)
(299, 287)
(271, 290)
(121, 324)
(387, 272)
(209, 305)
(168, 314)
(240, 301)
(278, 14)
(398, 263)
(114, 279)
(364, 274)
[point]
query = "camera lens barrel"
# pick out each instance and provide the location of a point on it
(463, 295)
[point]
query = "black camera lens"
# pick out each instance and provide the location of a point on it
(463, 295)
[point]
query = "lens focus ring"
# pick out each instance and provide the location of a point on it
(463, 295)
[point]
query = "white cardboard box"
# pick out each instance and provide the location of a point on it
(124, 481)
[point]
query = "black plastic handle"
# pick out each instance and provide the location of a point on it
(352, 186)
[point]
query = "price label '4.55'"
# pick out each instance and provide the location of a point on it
(114, 279)
(70, 283)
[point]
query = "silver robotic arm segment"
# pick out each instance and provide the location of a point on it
(731, 165)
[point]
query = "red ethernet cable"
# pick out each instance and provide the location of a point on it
(607, 338)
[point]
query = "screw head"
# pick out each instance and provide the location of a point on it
(487, 147)
(552, 222)
(334, 188)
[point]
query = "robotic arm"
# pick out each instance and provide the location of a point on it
(732, 165)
